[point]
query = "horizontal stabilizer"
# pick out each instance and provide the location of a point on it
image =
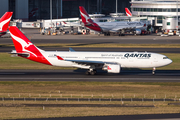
(23, 54)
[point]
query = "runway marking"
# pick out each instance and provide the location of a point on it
(12, 73)
(109, 79)
(163, 119)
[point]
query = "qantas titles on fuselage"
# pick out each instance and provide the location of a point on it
(129, 55)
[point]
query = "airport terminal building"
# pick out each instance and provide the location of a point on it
(32, 10)
(158, 9)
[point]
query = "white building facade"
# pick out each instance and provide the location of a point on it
(159, 9)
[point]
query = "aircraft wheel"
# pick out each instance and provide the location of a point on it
(153, 71)
(87, 72)
(92, 73)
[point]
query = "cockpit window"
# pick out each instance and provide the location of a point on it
(165, 57)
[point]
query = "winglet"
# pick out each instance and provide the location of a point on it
(71, 50)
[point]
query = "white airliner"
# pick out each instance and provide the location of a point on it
(107, 27)
(112, 62)
(4, 22)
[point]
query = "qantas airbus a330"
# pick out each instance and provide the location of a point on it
(112, 62)
(4, 22)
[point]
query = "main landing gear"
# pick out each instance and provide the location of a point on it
(91, 72)
(107, 34)
(153, 71)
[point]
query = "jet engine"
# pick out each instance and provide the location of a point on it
(137, 32)
(112, 68)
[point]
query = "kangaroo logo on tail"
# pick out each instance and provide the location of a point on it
(4, 21)
(88, 22)
(24, 45)
(84, 15)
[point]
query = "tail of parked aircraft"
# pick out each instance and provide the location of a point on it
(84, 15)
(63, 23)
(88, 22)
(128, 13)
(4, 21)
(25, 48)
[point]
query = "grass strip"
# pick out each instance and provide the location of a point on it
(112, 90)
(90, 89)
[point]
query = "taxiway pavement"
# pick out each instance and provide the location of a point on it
(121, 117)
(156, 50)
(35, 36)
(79, 75)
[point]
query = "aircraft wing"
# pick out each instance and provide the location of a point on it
(87, 62)
(118, 28)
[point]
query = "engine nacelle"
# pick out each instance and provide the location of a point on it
(138, 32)
(112, 68)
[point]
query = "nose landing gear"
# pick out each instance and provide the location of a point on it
(153, 71)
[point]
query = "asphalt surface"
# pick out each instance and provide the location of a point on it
(156, 50)
(35, 36)
(96, 40)
(79, 75)
(121, 117)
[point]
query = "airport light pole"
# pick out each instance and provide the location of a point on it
(176, 16)
(51, 12)
(116, 8)
(51, 15)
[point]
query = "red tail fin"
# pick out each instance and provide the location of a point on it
(88, 22)
(24, 45)
(4, 21)
(84, 15)
(128, 13)
(21, 42)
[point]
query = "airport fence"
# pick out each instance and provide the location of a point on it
(83, 97)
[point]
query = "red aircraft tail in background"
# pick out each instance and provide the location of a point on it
(88, 22)
(128, 13)
(4, 22)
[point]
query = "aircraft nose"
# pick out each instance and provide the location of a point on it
(169, 61)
